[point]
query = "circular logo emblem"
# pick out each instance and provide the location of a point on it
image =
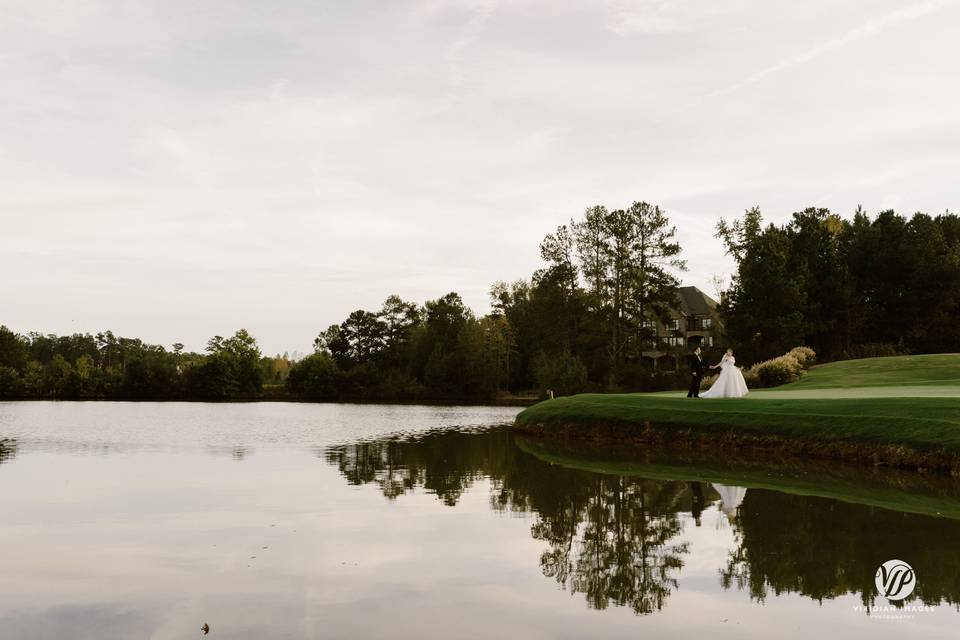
(895, 579)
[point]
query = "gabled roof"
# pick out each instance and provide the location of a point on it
(694, 302)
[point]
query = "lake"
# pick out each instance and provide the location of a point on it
(283, 520)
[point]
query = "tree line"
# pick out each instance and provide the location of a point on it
(849, 288)
(104, 366)
(864, 286)
(574, 325)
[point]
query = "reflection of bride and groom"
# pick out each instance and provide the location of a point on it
(730, 499)
(729, 384)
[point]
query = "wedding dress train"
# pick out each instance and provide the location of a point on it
(730, 383)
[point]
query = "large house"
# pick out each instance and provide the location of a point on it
(693, 322)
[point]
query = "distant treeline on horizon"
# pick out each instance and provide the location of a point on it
(865, 286)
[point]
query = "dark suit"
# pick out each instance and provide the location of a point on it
(696, 374)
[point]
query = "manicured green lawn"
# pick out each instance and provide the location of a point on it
(941, 371)
(912, 401)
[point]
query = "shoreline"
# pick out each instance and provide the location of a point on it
(901, 412)
(689, 439)
(881, 486)
(510, 402)
(914, 425)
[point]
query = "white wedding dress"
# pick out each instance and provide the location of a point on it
(730, 384)
(730, 497)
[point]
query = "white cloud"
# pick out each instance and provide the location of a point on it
(664, 16)
(871, 27)
(479, 13)
(174, 170)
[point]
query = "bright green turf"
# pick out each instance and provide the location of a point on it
(909, 400)
(941, 370)
(787, 392)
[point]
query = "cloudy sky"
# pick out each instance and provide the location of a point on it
(174, 170)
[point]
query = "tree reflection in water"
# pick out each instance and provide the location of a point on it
(613, 539)
(8, 449)
(617, 544)
(617, 539)
(823, 548)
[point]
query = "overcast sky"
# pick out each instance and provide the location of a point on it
(174, 170)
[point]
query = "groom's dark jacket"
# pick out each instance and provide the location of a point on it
(696, 365)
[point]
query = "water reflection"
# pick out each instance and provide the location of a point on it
(730, 498)
(8, 449)
(823, 548)
(444, 463)
(622, 538)
(615, 540)
(146, 520)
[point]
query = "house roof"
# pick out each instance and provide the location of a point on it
(694, 302)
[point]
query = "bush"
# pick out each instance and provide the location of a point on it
(666, 380)
(215, 378)
(10, 383)
(778, 371)
(564, 373)
(640, 376)
(707, 382)
(315, 377)
(751, 378)
(873, 350)
(803, 355)
(781, 370)
(360, 381)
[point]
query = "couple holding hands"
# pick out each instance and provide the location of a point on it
(730, 383)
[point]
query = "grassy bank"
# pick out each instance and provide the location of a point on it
(901, 411)
(926, 494)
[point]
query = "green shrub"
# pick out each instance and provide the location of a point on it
(315, 377)
(563, 373)
(873, 350)
(10, 383)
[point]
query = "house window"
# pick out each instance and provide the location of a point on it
(650, 324)
(701, 324)
(673, 325)
(673, 341)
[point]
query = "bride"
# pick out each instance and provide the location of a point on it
(730, 383)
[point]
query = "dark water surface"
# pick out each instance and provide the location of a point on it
(143, 520)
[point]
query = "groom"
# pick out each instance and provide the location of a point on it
(696, 373)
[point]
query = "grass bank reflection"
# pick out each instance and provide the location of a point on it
(614, 524)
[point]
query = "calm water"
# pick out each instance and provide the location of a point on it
(346, 521)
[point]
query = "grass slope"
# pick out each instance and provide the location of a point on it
(941, 371)
(909, 401)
